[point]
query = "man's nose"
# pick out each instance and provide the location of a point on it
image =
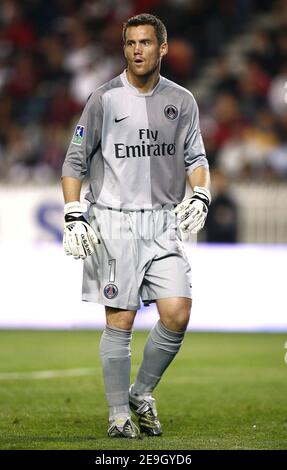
(138, 48)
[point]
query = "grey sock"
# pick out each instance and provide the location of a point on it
(161, 347)
(115, 354)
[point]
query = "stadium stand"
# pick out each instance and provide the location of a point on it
(53, 54)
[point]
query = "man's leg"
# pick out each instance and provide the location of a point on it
(163, 342)
(161, 347)
(116, 361)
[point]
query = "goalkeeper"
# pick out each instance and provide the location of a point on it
(138, 139)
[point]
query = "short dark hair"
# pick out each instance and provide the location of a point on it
(146, 18)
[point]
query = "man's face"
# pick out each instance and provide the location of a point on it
(142, 50)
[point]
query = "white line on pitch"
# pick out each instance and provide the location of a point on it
(51, 374)
(48, 374)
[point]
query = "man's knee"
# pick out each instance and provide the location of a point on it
(118, 318)
(177, 321)
(175, 313)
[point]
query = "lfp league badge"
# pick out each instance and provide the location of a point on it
(78, 135)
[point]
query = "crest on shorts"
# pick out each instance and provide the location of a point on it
(78, 135)
(170, 112)
(111, 291)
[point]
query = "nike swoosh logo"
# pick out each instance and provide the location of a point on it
(119, 120)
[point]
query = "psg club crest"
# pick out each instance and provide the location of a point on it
(170, 112)
(110, 291)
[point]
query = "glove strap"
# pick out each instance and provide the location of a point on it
(74, 218)
(203, 194)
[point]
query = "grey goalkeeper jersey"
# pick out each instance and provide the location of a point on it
(137, 148)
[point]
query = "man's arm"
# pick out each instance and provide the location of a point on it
(200, 177)
(71, 189)
(79, 238)
(192, 212)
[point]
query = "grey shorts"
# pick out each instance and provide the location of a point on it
(140, 257)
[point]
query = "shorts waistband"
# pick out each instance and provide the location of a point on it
(142, 210)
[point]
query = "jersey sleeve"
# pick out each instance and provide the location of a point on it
(194, 151)
(85, 140)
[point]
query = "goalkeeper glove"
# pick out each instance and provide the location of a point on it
(79, 238)
(192, 212)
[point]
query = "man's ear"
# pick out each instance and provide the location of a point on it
(124, 49)
(163, 49)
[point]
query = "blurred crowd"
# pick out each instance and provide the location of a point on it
(246, 131)
(54, 54)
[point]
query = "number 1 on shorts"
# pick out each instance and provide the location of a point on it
(112, 264)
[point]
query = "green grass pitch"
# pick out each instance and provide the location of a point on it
(223, 391)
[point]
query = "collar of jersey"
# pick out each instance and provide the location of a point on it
(134, 90)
